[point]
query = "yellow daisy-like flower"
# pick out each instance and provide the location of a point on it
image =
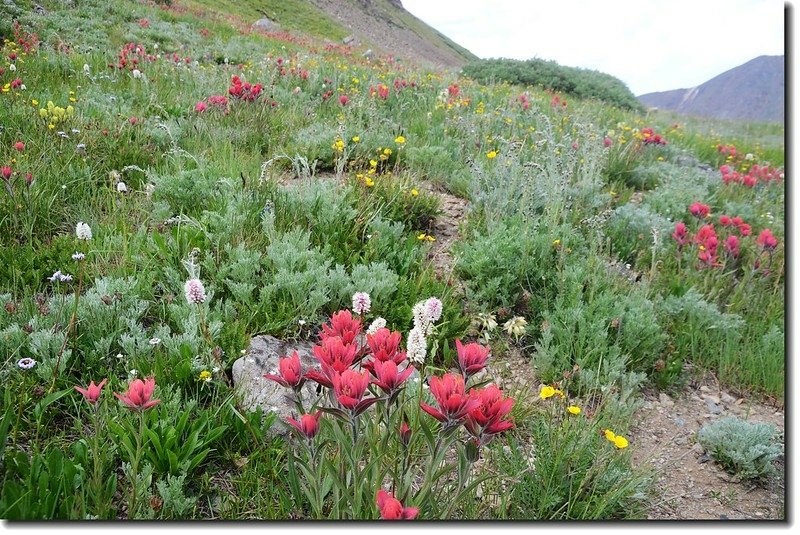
(399, 140)
(356, 139)
(492, 154)
(620, 442)
(547, 392)
(34, 102)
(205, 376)
(369, 182)
(414, 192)
(558, 392)
(572, 409)
(387, 152)
(556, 243)
(373, 163)
(610, 435)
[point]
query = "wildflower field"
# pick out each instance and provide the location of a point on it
(474, 283)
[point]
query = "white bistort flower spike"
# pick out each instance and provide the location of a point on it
(83, 231)
(376, 326)
(195, 292)
(416, 346)
(361, 303)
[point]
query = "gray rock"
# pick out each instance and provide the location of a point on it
(713, 408)
(665, 400)
(727, 398)
(680, 422)
(266, 25)
(39, 10)
(262, 357)
(368, 54)
(713, 399)
(349, 39)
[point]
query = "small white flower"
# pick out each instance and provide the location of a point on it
(26, 363)
(133, 373)
(86, 69)
(301, 322)
(749, 156)
(155, 341)
(12, 67)
(82, 230)
(78, 256)
(416, 346)
(137, 74)
(361, 303)
(120, 356)
(23, 87)
(149, 189)
(122, 187)
(195, 292)
(243, 352)
(376, 326)
(515, 326)
(215, 369)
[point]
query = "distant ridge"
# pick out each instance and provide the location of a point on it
(753, 91)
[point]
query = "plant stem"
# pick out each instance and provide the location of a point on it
(135, 469)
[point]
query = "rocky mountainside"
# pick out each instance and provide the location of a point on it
(386, 26)
(753, 91)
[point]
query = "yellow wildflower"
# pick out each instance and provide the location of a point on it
(387, 152)
(356, 139)
(399, 140)
(492, 154)
(373, 163)
(620, 442)
(205, 376)
(414, 192)
(547, 392)
(572, 409)
(610, 435)
(369, 182)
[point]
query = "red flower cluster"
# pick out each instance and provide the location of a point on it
(382, 91)
(708, 241)
(391, 508)
(524, 101)
(244, 90)
(132, 56)
(727, 150)
(649, 137)
(558, 102)
(754, 175)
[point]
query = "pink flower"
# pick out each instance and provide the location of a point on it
(200, 107)
(334, 355)
(732, 245)
(137, 397)
(487, 418)
(725, 221)
(291, 372)
(681, 235)
(342, 325)
(471, 358)
(19, 146)
(745, 229)
(349, 388)
(5, 171)
(454, 405)
(699, 210)
(195, 291)
(766, 240)
(387, 376)
(308, 424)
(92, 392)
(361, 303)
(343, 100)
(391, 508)
(384, 345)
(607, 141)
(405, 433)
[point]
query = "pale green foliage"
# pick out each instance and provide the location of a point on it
(743, 448)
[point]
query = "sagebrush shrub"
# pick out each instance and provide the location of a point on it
(745, 449)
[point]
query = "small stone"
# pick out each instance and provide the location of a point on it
(712, 406)
(705, 389)
(266, 25)
(727, 398)
(680, 422)
(759, 513)
(713, 399)
(664, 399)
(681, 441)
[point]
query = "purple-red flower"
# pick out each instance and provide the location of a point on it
(471, 357)
(291, 372)
(405, 433)
(137, 398)
(732, 245)
(92, 392)
(454, 404)
(387, 376)
(308, 424)
(391, 508)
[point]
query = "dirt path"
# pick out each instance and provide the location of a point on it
(446, 228)
(689, 486)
